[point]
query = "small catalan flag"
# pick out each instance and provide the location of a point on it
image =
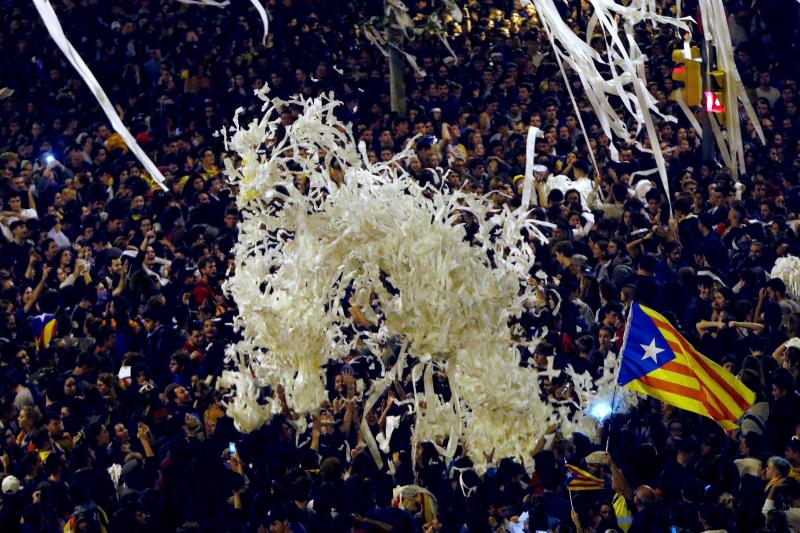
(44, 329)
(578, 479)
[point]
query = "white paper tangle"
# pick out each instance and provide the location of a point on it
(322, 226)
(788, 269)
(717, 34)
(626, 63)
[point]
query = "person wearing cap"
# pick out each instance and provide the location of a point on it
(11, 485)
(777, 477)
(578, 265)
(595, 462)
(12, 503)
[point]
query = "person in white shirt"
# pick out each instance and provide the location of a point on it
(777, 475)
(581, 182)
(765, 90)
(14, 212)
(58, 235)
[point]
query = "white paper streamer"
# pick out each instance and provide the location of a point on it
(262, 12)
(212, 3)
(377, 39)
(376, 390)
(392, 423)
(397, 18)
(688, 112)
(626, 64)
(411, 492)
(436, 420)
(530, 156)
(655, 144)
(115, 472)
(717, 33)
(50, 20)
(788, 269)
(412, 61)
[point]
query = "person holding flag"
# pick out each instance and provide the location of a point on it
(582, 480)
(43, 327)
(659, 362)
(579, 480)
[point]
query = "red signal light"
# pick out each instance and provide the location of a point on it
(714, 102)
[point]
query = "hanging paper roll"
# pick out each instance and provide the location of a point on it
(717, 34)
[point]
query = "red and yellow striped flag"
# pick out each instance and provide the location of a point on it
(44, 329)
(659, 362)
(578, 479)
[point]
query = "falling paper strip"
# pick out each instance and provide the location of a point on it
(530, 156)
(57, 33)
(625, 63)
(53, 26)
(212, 3)
(717, 34)
(262, 12)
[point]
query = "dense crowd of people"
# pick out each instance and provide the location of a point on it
(114, 323)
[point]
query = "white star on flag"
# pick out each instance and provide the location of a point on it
(651, 351)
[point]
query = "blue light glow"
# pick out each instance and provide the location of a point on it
(600, 409)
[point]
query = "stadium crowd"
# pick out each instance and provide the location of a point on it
(113, 322)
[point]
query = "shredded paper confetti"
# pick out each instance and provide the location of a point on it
(322, 225)
(788, 270)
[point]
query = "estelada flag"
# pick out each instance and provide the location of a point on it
(578, 479)
(658, 361)
(44, 329)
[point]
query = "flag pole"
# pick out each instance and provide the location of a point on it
(619, 364)
(613, 400)
(568, 491)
